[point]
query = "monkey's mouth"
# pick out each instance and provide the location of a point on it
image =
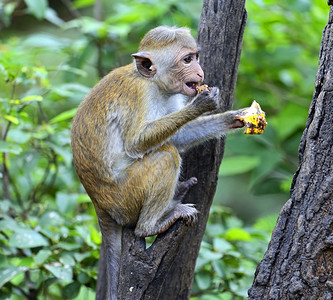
(192, 84)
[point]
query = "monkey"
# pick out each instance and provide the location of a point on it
(129, 131)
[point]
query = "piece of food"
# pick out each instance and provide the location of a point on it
(203, 88)
(253, 119)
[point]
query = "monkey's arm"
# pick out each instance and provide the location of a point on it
(151, 135)
(205, 128)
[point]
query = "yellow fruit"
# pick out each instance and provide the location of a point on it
(253, 119)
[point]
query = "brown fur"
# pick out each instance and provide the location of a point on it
(127, 134)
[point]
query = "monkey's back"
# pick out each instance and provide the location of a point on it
(98, 131)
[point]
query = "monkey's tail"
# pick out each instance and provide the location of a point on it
(109, 262)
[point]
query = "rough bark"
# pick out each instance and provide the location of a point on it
(220, 35)
(299, 261)
(165, 270)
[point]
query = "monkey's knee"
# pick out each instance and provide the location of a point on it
(170, 154)
(146, 189)
(160, 167)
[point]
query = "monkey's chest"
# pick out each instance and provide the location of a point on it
(162, 107)
(156, 114)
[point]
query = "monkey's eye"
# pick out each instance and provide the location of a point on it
(187, 59)
(146, 64)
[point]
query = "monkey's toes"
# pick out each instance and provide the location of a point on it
(192, 181)
(191, 220)
(191, 216)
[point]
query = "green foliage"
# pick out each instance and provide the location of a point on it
(228, 256)
(277, 68)
(49, 241)
(51, 55)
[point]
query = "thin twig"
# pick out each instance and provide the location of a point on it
(43, 187)
(75, 13)
(98, 10)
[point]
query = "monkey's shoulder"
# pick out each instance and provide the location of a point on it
(123, 86)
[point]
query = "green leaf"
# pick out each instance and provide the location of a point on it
(45, 40)
(52, 16)
(203, 280)
(67, 260)
(83, 198)
(68, 246)
(10, 148)
(209, 255)
(27, 261)
(71, 89)
(12, 119)
(42, 256)
(63, 273)
(5, 206)
(19, 136)
(66, 202)
(220, 267)
(75, 71)
(238, 164)
(37, 7)
(65, 153)
(32, 98)
(286, 184)
(83, 278)
(27, 238)
(9, 8)
(9, 224)
(270, 159)
(51, 218)
(83, 3)
(221, 245)
(289, 120)
(68, 114)
(95, 235)
(266, 223)
(211, 297)
(238, 234)
(227, 296)
(71, 290)
(6, 274)
(81, 256)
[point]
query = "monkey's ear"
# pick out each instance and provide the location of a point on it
(144, 64)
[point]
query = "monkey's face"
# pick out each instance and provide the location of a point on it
(174, 69)
(186, 74)
(170, 58)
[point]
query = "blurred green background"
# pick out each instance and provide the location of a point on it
(53, 52)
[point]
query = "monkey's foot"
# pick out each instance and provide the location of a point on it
(187, 212)
(183, 187)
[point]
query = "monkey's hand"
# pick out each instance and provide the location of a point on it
(231, 119)
(207, 101)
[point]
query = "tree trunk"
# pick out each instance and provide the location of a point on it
(220, 35)
(299, 261)
(165, 270)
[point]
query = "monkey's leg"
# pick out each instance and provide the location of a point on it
(159, 211)
(144, 193)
